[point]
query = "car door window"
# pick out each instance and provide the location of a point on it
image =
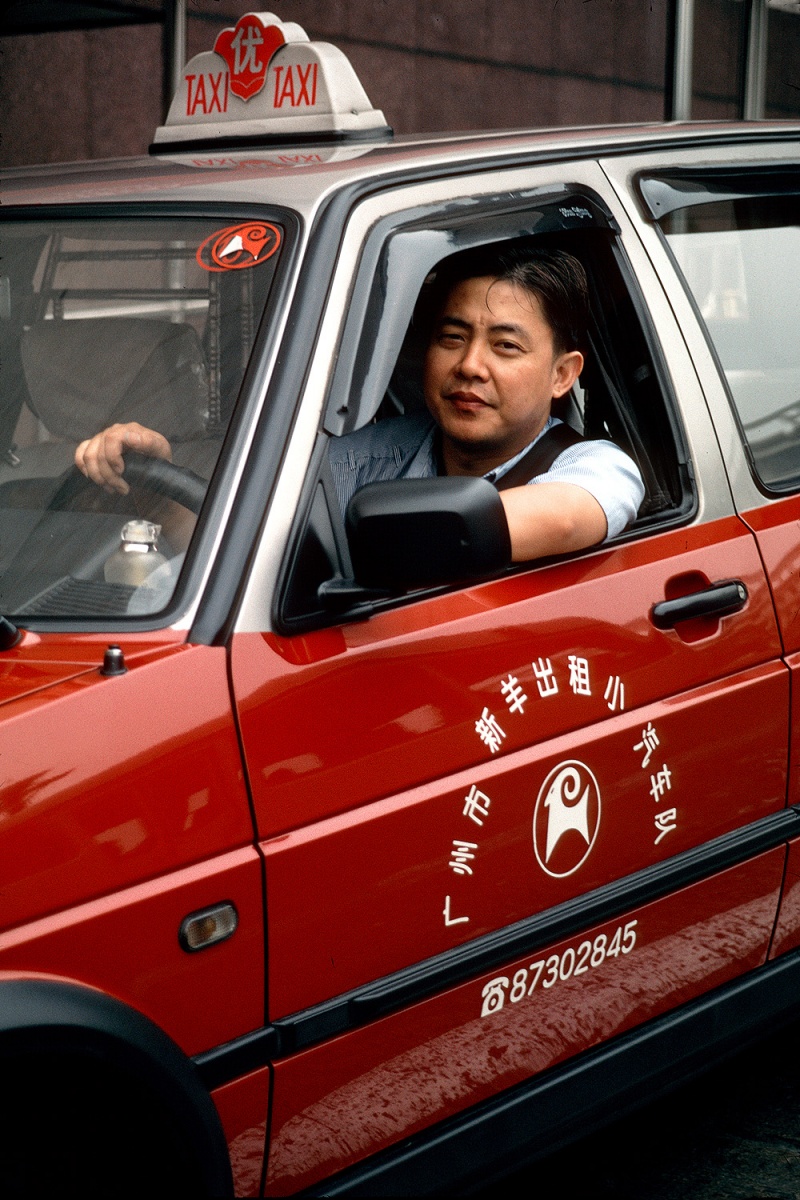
(620, 395)
(740, 259)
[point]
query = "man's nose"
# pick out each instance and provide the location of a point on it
(472, 363)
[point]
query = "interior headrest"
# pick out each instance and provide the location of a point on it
(85, 374)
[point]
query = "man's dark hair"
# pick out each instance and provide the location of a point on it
(556, 278)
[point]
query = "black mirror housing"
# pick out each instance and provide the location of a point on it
(407, 533)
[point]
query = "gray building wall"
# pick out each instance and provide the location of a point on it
(438, 65)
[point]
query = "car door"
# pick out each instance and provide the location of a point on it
(500, 822)
(736, 243)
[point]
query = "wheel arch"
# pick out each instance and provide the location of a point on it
(45, 1023)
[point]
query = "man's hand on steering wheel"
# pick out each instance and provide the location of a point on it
(100, 458)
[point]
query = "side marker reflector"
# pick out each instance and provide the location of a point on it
(207, 927)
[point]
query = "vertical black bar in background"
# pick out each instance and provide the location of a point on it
(669, 60)
(743, 42)
(756, 42)
(167, 52)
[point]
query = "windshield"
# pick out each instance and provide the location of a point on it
(741, 261)
(105, 321)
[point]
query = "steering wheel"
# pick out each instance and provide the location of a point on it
(165, 478)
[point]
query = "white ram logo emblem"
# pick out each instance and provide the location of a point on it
(568, 803)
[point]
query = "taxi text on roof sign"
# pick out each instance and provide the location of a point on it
(264, 79)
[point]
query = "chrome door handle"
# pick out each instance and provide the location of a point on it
(716, 601)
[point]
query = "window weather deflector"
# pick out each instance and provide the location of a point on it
(684, 188)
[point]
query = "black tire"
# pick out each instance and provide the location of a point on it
(76, 1128)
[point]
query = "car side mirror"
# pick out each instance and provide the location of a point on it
(409, 533)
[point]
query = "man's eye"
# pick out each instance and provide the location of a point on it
(450, 339)
(509, 346)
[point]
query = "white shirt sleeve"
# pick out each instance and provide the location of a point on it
(607, 473)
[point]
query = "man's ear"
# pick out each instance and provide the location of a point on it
(566, 369)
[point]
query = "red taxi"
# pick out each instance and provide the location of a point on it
(373, 879)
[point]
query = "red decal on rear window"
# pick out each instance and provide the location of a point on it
(239, 246)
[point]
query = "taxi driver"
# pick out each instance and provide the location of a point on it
(505, 341)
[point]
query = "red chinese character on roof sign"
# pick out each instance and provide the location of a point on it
(247, 49)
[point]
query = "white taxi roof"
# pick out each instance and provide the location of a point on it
(299, 176)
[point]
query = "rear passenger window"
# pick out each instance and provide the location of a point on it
(740, 259)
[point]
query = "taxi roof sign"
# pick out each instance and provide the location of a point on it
(265, 81)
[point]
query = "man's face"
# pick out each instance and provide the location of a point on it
(491, 371)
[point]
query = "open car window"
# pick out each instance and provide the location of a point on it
(622, 395)
(104, 320)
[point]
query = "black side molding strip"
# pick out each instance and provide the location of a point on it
(424, 979)
(529, 935)
(231, 1060)
(545, 1113)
